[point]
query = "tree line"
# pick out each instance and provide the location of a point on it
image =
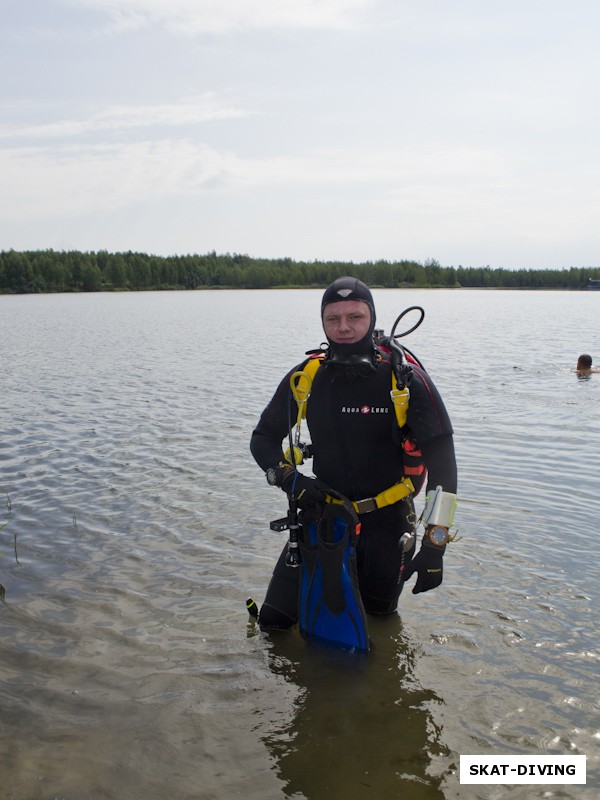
(74, 271)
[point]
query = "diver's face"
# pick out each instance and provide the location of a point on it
(347, 321)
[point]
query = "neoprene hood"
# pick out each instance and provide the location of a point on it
(348, 288)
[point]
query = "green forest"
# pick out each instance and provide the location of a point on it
(24, 272)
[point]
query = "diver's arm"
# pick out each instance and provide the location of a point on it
(431, 428)
(440, 461)
(438, 455)
(273, 426)
(266, 450)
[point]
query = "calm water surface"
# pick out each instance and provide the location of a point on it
(136, 523)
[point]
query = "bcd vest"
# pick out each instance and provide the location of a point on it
(414, 468)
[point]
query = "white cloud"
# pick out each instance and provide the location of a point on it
(222, 16)
(188, 111)
(389, 167)
(72, 180)
(43, 182)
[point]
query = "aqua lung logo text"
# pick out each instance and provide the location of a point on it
(364, 410)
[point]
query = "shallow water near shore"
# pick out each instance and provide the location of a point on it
(136, 524)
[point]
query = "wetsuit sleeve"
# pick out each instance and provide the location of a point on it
(440, 461)
(430, 426)
(427, 416)
(273, 426)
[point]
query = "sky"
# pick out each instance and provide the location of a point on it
(353, 130)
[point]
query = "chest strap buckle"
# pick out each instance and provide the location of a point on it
(388, 497)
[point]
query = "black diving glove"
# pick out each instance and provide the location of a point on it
(305, 490)
(429, 566)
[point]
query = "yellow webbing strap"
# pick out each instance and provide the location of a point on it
(400, 401)
(388, 497)
(301, 383)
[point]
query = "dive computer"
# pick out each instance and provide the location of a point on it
(438, 536)
(272, 476)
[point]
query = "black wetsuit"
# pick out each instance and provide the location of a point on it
(357, 450)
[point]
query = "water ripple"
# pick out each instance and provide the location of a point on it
(136, 524)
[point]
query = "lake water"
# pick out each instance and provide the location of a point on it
(136, 524)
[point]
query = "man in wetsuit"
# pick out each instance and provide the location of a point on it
(357, 451)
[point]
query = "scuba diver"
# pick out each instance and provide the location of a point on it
(370, 450)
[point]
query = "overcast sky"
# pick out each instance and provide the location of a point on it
(461, 130)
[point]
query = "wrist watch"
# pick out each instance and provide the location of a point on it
(437, 536)
(272, 476)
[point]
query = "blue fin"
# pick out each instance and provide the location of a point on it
(330, 605)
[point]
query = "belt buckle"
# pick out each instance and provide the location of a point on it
(366, 506)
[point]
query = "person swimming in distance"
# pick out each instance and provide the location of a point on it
(584, 365)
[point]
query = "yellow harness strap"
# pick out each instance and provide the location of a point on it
(303, 381)
(400, 401)
(301, 386)
(388, 497)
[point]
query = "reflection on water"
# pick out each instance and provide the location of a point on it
(136, 524)
(362, 724)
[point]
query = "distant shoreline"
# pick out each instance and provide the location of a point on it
(52, 272)
(172, 290)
